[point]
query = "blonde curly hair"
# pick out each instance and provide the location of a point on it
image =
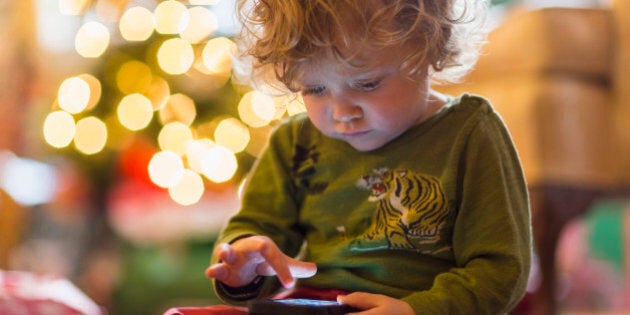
(439, 38)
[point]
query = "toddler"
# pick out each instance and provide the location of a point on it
(395, 198)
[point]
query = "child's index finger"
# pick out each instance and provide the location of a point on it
(278, 262)
(224, 253)
(302, 269)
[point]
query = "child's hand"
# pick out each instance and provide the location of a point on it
(375, 304)
(245, 259)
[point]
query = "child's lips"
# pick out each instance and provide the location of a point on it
(354, 134)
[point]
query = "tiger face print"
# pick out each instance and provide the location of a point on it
(411, 211)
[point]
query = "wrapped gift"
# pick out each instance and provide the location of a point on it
(24, 293)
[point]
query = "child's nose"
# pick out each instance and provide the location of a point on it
(344, 110)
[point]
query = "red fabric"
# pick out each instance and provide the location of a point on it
(208, 310)
(304, 293)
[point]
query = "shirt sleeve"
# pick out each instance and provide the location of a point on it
(269, 207)
(492, 234)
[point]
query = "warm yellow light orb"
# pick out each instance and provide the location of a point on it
(59, 129)
(175, 56)
(171, 17)
(136, 24)
(91, 135)
(73, 95)
(256, 109)
(95, 89)
(195, 152)
(296, 106)
(291, 104)
(92, 40)
(217, 55)
(135, 111)
(203, 23)
(159, 92)
(179, 107)
(134, 77)
(166, 169)
(188, 190)
(232, 134)
(219, 164)
(175, 137)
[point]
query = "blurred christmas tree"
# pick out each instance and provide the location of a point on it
(163, 133)
(164, 79)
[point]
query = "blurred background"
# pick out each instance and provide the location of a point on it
(124, 140)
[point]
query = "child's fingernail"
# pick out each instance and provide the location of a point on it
(288, 284)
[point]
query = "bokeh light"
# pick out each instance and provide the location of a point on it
(135, 111)
(159, 92)
(188, 190)
(28, 182)
(92, 39)
(203, 23)
(158, 78)
(179, 107)
(59, 129)
(256, 109)
(232, 134)
(217, 55)
(195, 152)
(95, 89)
(171, 17)
(73, 95)
(174, 137)
(136, 24)
(219, 164)
(166, 169)
(291, 104)
(91, 135)
(296, 106)
(134, 77)
(175, 56)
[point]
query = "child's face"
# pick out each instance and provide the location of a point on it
(365, 108)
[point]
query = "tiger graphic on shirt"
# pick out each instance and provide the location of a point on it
(411, 211)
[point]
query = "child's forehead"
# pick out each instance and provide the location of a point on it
(363, 67)
(363, 60)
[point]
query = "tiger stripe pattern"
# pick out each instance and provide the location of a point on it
(411, 210)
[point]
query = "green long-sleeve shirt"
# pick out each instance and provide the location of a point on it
(439, 217)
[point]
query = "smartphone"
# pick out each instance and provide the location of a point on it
(298, 307)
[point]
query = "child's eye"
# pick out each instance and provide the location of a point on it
(367, 86)
(316, 90)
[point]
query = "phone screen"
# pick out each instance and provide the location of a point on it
(298, 307)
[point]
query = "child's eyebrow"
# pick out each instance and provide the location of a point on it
(370, 74)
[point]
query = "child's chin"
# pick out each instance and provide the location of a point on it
(365, 147)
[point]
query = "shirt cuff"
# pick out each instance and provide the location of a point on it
(244, 293)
